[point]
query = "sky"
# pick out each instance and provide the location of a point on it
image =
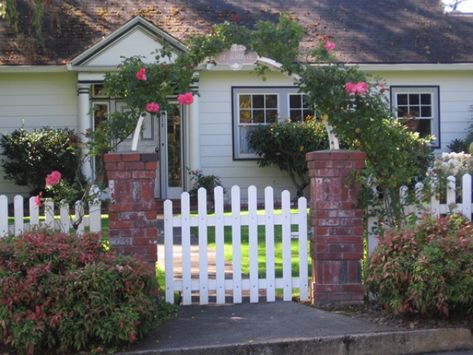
(465, 6)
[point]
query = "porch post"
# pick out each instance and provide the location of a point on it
(85, 124)
(194, 135)
(337, 226)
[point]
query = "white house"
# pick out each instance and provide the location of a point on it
(425, 56)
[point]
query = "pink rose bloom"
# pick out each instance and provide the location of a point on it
(329, 46)
(141, 74)
(53, 178)
(361, 88)
(152, 107)
(185, 99)
(350, 88)
(37, 199)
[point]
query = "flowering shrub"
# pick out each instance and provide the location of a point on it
(59, 292)
(445, 165)
(452, 164)
(427, 269)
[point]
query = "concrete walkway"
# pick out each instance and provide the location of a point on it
(289, 328)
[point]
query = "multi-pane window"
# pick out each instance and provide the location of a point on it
(299, 108)
(418, 107)
(258, 108)
(254, 106)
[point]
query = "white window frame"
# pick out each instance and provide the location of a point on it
(434, 91)
(283, 108)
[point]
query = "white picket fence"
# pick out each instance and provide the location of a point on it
(236, 219)
(435, 207)
(63, 222)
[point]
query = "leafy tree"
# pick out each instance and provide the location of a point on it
(31, 155)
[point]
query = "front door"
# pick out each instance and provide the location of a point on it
(172, 153)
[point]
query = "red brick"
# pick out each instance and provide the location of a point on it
(339, 256)
(350, 288)
(144, 241)
(114, 224)
(134, 165)
(112, 157)
(118, 175)
(131, 156)
(151, 165)
(143, 174)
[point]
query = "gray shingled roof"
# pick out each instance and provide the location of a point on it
(366, 31)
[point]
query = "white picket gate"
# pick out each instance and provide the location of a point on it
(236, 219)
(62, 222)
(435, 207)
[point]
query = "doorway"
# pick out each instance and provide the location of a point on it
(172, 157)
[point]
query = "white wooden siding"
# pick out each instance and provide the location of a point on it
(33, 101)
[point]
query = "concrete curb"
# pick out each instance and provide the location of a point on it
(386, 343)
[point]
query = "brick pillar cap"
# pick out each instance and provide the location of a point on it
(338, 154)
(130, 156)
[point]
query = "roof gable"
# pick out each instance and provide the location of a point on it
(138, 37)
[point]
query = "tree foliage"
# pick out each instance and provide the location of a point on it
(31, 155)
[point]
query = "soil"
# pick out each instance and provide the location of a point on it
(375, 313)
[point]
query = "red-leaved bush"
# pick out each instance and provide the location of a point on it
(426, 269)
(64, 293)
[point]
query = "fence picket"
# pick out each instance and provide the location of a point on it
(269, 231)
(3, 216)
(286, 245)
(466, 196)
(95, 218)
(303, 252)
(434, 202)
(203, 248)
(79, 211)
(419, 192)
(168, 251)
(64, 215)
(451, 191)
(34, 212)
(186, 249)
(236, 244)
(19, 214)
(253, 241)
(372, 234)
(219, 245)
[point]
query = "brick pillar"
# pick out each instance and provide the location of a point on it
(337, 232)
(132, 211)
